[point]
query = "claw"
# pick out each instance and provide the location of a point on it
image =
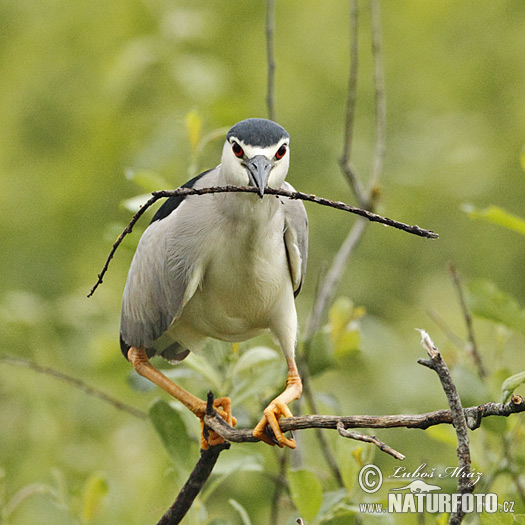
(275, 410)
(223, 407)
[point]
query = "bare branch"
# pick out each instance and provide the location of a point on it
(333, 278)
(442, 325)
(321, 438)
(472, 346)
(439, 366)
(270, 88)
(193, 485)
(185, 192)
(280, 485)
(346, 167)
(369, 439)
(473, 416)
(120, 238)
(366, 199)
(77, 383)
(379, 88)
(512, 466)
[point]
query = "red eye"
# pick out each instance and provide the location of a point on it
(237, 150)
(281, 152)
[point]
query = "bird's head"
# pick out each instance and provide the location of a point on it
(256, 153)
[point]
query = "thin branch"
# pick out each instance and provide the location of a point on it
(344, 161)
(369, 439)
(513, 468)
(473, 416)
(185, 192)
(77, 383)
(366, 199)
(270, 60)
(472, 346)
(280, 484)
(439, 366)
(379, 88)
(323, 442)
(333, 278)
(193, 486)
(442, 325)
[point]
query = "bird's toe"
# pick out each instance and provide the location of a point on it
(272, 413)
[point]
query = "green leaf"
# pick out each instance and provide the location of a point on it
(306, 493)
(496, 215)
(172, 431)
(267, 376)
(348, 462)
(442, 433)
(510, 384)
(202, 366)
(487, 301)
(335, 503)
(255, 357)
(228, 465)
(343, 319)
(495, 425)
(241, 510)
(498, 518)
(94, 494)
(194, 126)
(348, 343)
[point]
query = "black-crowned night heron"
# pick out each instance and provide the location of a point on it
(226, 266)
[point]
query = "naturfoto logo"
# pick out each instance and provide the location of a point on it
(418, 495)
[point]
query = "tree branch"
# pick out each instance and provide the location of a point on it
(379, 88)
(344, 161)
(270, 60)
(323, 442)
(369, 439)
(472, 345)
(333, 278)
(367, 199)
(77, 383)
(193, 486)
(439, 366)
(473, 416)
(185, 192)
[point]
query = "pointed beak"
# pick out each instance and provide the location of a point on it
(258, 169)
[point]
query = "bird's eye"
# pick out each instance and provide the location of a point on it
(281, 152)
(237, 150)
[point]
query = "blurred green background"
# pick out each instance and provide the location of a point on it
(94, 93)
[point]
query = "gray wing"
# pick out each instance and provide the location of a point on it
(161, 277)
(295, 238)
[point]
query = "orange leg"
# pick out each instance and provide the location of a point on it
(141, 363)
(279, 407)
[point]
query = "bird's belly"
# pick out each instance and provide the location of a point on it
(237, 295)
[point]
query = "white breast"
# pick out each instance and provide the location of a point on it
(244, 276)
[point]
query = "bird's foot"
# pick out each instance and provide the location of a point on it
(223, 406)
(272, 413)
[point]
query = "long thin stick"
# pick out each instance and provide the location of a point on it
(73, 381)
(185, 192)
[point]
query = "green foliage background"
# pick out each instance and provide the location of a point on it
(91, 91)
